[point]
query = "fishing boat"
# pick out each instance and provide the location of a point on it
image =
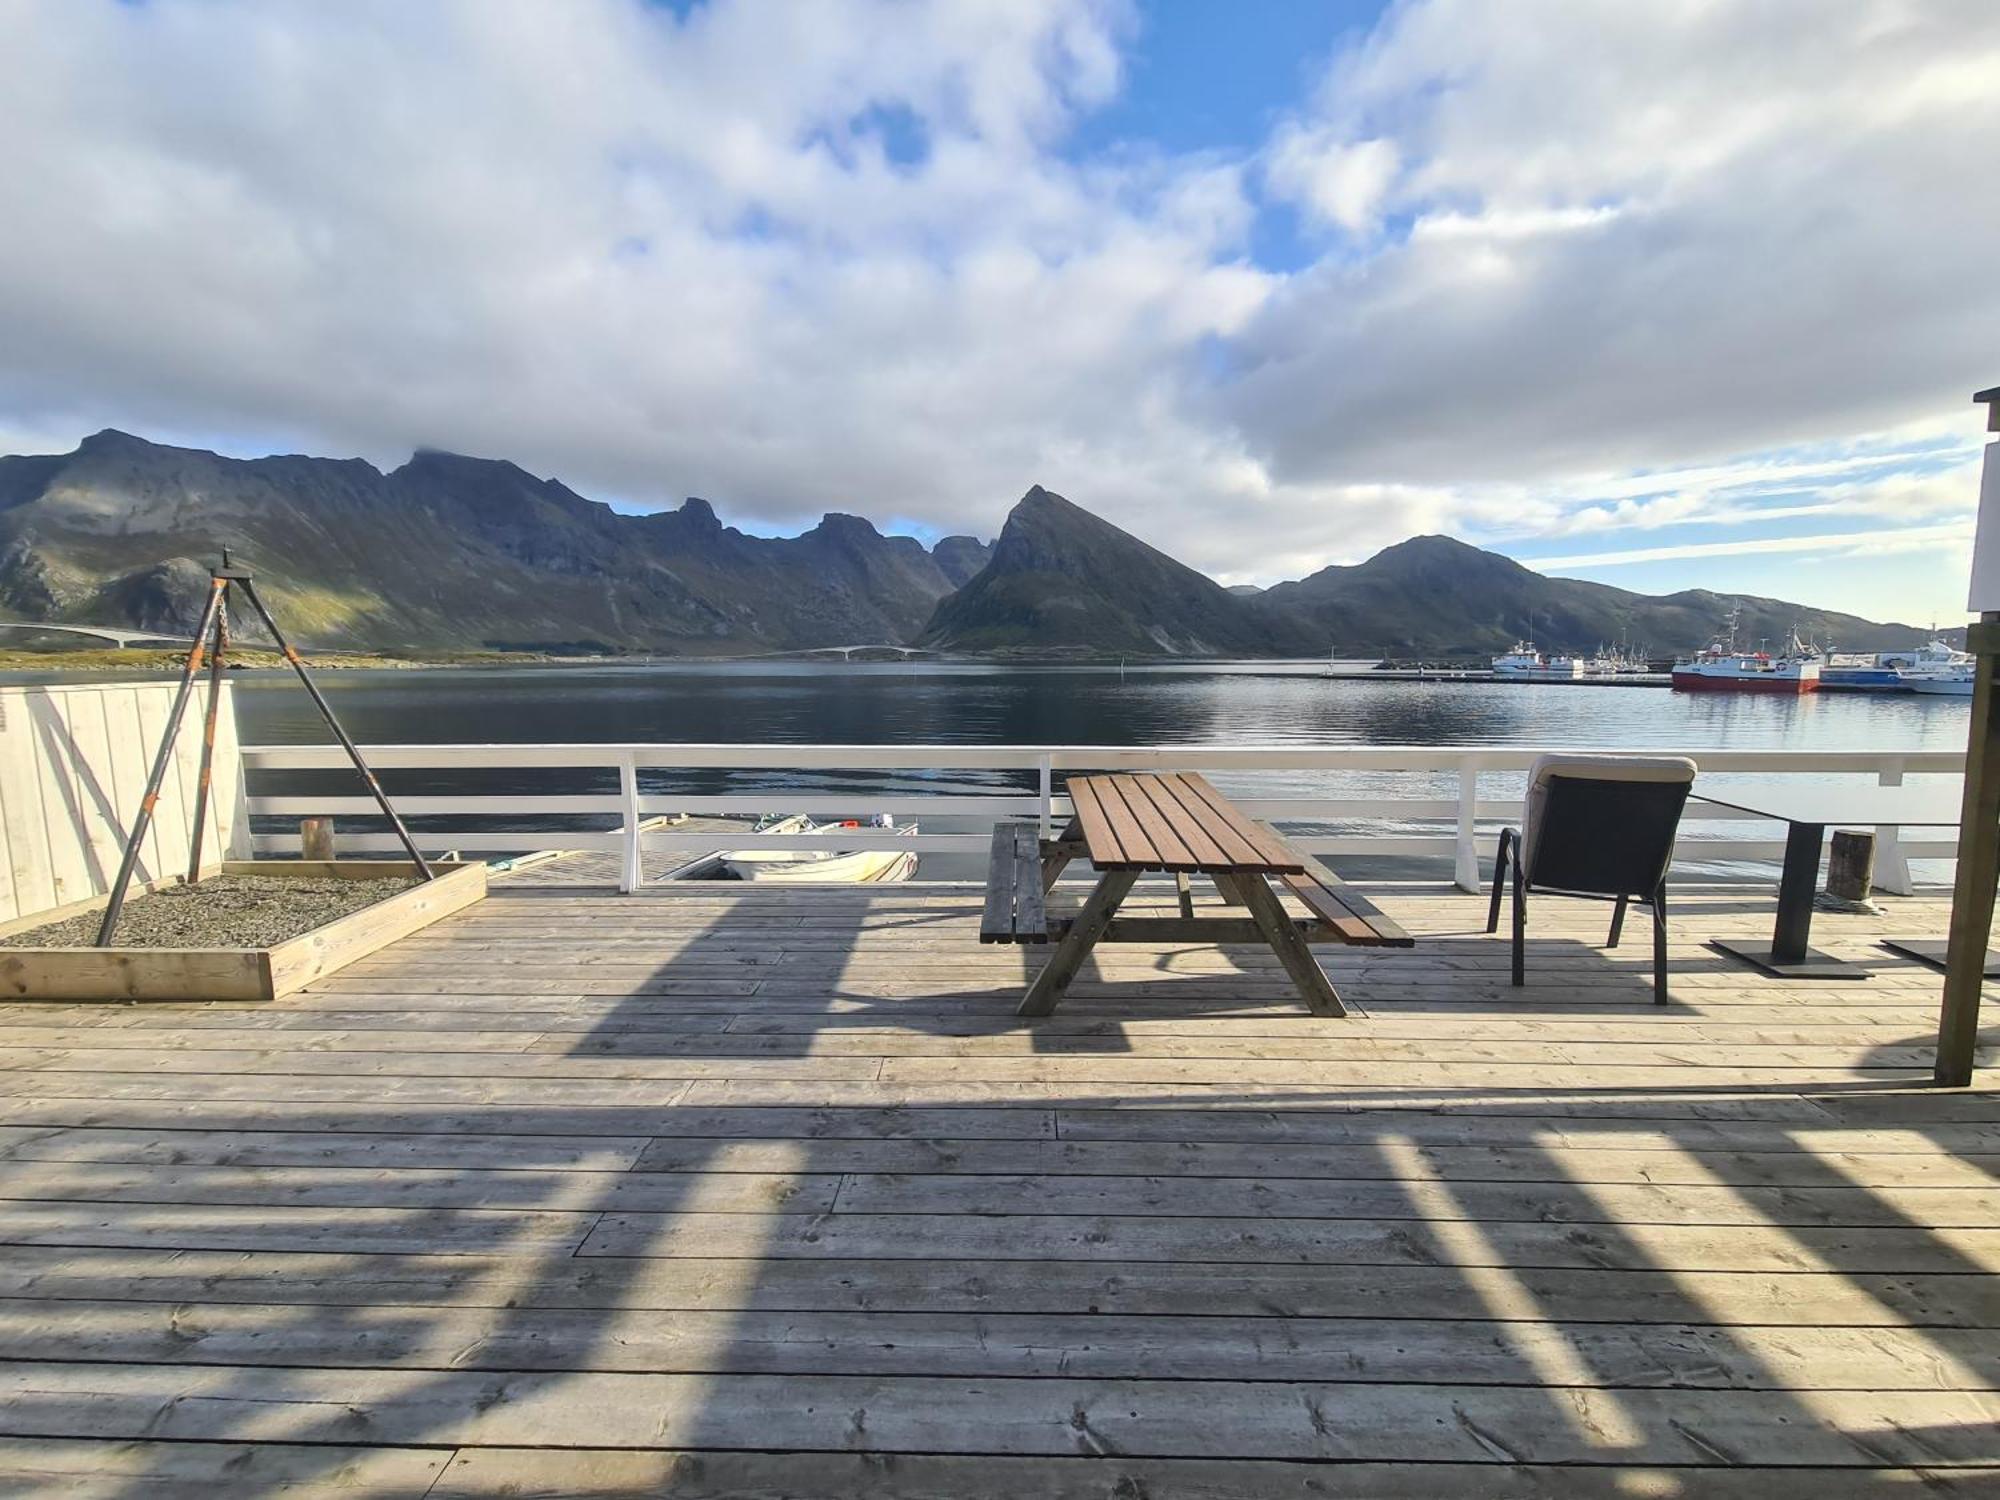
(821, 866)
(1894, 671)
(1524, 660)
(1615, 661)
(1721, 667)
(1850, 673)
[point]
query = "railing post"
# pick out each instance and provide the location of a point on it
(630, 872)
(1044, 771)
(1467, 874)
(1892, 869)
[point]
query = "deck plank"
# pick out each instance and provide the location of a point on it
(600, 1475)
(1849, 1298)
(1002, 1345)
(1052, 1417)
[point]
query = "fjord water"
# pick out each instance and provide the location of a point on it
(1232, 703)
(1225, 703)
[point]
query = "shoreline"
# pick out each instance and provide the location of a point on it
(136, 660)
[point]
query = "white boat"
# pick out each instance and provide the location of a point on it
(821, 866)
(1935, 654)
(1525, 661)
(1950, 682)
(1897, 671)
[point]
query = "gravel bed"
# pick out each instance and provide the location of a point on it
(224, 911)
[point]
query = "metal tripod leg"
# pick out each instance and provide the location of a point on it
(326, 712)
(144, 820)
(205, 779)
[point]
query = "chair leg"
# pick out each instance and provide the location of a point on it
(1520, 925)
(1617, 923)
(1660, 944)
(1507, 837)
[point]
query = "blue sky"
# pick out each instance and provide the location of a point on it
(1689, 294)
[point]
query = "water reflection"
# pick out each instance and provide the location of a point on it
(1241, 703)
(1268, 703)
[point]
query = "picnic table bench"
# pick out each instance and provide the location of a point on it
(1128, 826)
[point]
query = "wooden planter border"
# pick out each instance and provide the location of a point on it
(245, 973)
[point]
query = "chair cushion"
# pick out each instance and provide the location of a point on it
(1659, 768)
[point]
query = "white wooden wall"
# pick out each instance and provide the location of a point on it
(73, 764)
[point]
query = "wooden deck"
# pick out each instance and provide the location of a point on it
(718, 1191)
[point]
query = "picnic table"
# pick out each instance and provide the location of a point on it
(1133, 825)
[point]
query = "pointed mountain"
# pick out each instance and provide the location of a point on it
(1063, 579)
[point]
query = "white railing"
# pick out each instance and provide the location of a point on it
(1459, 837)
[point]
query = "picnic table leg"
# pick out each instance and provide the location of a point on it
(1269, 914)
(1053, 982)
(1186, 895)
(1058, 852)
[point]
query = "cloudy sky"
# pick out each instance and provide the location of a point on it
(1666, 294)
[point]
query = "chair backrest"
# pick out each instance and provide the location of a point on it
(1603, 825)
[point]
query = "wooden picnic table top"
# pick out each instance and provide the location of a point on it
(1174, 822)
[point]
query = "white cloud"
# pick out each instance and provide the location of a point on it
(1910, 539)
(1619, 268)
(1642, 235)
(1343, 184)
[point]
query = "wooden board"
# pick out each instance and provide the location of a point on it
(243, 973)
(73, 760)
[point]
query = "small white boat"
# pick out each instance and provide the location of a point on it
(1950, 682)
(1526, 661)
(820, 866)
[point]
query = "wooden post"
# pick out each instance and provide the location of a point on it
(1892, 866)
(1045, 789)
(1465, 873)
(1978, 860)
(316, 839)
(631, 869)
(1850, 865)
(1979, 812)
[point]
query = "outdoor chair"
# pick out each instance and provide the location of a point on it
(1599, 827)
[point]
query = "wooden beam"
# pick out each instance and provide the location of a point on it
(1313, 986)
(1046, 993)
(996, 923)
(1200, 930)
(1978, 867)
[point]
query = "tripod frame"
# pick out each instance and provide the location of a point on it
(211, 641)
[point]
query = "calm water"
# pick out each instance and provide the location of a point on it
(1215, 703)
(1220, 703)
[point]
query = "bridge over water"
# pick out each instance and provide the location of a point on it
(846, 653)
(111, 633)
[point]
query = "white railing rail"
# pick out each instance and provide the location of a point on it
(1459, 837)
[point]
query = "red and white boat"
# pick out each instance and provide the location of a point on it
(1724, 669)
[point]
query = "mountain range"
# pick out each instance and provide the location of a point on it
(450, 552)
(445, 551)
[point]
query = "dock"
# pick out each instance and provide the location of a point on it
(714, 1190)
(1474, 674)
